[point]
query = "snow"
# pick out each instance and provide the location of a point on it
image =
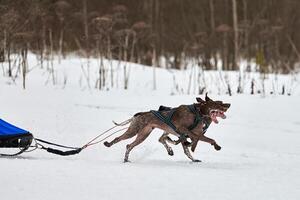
(260, 156)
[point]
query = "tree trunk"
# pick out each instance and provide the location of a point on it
(212, 34)
(212, 16)
(44, 45)
(101, 80)
(154, 63)
(61, 40)
(246, 40)
(51, 47)
(157, 32)
(125, 60)
(51, 56)
(9, 61)
(85, 26)
(109, 56)
(24, 64)
(225, 52)
(236, 35)
(3, 48)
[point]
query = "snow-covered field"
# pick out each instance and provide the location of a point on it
(260, 156)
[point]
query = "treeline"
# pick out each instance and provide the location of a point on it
(144, 31)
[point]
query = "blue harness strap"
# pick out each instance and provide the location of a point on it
(198, 119)
(167, 119)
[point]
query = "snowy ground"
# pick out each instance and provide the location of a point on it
(260, 156)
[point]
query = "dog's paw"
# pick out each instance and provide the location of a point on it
(170, 152)
(107, 144)
(187, 143)
(217, 147)
(196, 160)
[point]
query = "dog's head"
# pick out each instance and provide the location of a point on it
(212, 108)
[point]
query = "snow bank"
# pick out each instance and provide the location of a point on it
(260, 154)
(83, 74)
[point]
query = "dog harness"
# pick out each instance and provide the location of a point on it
(168, 119)
(198, 119)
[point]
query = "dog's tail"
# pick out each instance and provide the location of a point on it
(123, 123)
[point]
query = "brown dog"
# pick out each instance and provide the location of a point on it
(179, 124)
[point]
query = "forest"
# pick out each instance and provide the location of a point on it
(206, 31)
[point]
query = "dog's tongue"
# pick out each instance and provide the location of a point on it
(222, 115)
(214, 119)
(217, 114)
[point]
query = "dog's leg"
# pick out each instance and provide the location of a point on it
(188, 153)
(208, 140)
(163, 139)
(141, 136)
(175, 142)
(195, 137)
(190, 134)
(194, 145)
(131, 131)
(180, 140)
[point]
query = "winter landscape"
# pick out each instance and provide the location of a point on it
(259, 157)
(70, 98)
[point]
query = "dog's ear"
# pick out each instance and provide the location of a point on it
(207, 98)
(200, 100)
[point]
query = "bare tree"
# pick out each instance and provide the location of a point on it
(22, 40)
(224, 29)
(61, 8)
(10, 24)
(236, 34)
(85, 25)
